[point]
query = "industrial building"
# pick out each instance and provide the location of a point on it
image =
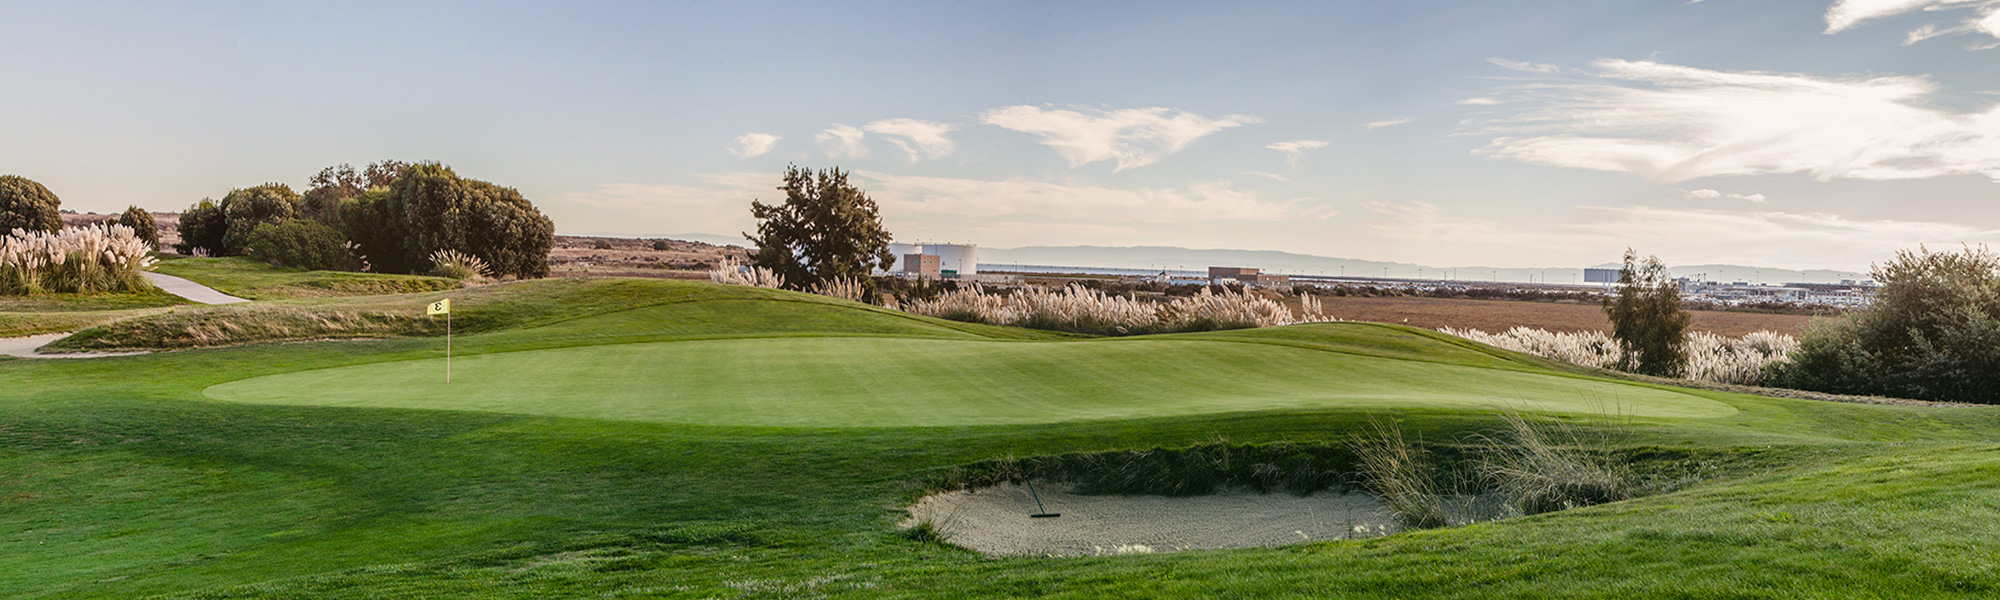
(936, 260)
(1248, 276)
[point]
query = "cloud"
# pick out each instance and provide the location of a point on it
(1269, 175)
(1295, 148)
(1018, 199)
(1132, 137)
(1374, 125)
(1846, 14)
(1672, 123)
(1708, 194)
(1479, 101)
(842, 141)
(1524, 66)
(1769, 237)
(918, 139)
(753, 144)
(719, 205)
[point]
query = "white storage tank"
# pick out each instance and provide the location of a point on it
(963, 258)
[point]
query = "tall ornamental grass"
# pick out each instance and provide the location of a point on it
(1082, 310)
(75, 260)
(1711, 357)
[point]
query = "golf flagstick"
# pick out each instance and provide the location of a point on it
(1044, 514)
(443, 307)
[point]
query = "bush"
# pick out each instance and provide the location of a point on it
(202, 227)
(439, 210)
(246, 208)
(25, 204)
(458, 265)
(601, 244)
(75, 260)
(142, 224)
(1933, 333)
(300, 244)
(377, 234)
(662, 245)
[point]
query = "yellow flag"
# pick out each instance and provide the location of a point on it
(441, 307)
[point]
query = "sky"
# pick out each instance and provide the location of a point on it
(1802, 134)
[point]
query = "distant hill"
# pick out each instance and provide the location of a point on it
(706, 238)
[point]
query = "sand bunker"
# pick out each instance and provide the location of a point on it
(25, 347)
(995, 520)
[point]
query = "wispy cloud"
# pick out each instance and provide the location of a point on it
(842, 141)
(1525, 66)
(1041, 201)
(1374, 125)
(1295, 148)
(1132, 137)
(753, 144)
(918, 139)
(1269, 175)
(1481, 101)
(1671, 123)
(1984, 16)
(1708, 194)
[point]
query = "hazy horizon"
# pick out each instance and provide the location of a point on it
(1811, 135)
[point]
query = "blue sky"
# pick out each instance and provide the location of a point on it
(1805, 134)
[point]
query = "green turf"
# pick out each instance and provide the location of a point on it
(122, 477)
(887, 382)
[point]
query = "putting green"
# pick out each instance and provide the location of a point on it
(853, 382)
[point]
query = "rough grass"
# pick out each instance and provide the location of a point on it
(121, 480)
(247, 278)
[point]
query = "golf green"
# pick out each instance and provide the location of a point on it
(884, 382)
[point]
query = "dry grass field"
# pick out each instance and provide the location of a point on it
(1499, 315)
(630, 257)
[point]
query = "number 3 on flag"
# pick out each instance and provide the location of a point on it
(441, 307)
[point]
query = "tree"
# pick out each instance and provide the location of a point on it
(142, 224)
(438, 210)
(202, 228)
(826, 229)
(1647, 318)
(25, 204)
(1932, 332)
(340, 183)
(299, 244)
(246, 208)
(367, 222)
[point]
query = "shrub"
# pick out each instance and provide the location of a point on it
(439, 210)
(202, 228)
(300, 244)
(662, 245)
(75, 260)
(142, 224)
(1933, 333)
(246, 208)
(1710, 357)
(601, 244)
(376, 233)
(458, 265)
(1079, 309)
(26, 205)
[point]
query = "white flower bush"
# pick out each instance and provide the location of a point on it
(734, 273)
(1079, 309)
(74, 260)
(1711, 357)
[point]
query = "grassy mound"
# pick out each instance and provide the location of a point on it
(123, 479)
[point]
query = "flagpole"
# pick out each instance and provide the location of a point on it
(447, 347)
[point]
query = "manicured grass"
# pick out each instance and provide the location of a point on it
(246, 278)
(123, 479)
(886, 382)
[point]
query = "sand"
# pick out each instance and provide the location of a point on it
(995, 520)
(24, 347)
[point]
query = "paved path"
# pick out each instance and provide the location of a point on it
(190, 290)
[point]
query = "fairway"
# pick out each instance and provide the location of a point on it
(884, 382)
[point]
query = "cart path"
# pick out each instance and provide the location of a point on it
(190, 290)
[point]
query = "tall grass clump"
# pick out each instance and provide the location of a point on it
(735, 273)
(1545, 466)
(1711, 357)
(74, 260)
(458, 265)
(1078, 309)
(1398, 474)
(846, 288)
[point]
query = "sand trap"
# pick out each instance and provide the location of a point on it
(25, 346)
(995, 520)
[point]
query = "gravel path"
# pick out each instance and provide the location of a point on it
(190, 290)
(995, 520)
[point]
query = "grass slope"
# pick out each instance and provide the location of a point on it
(122, 479)
(247, 278)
